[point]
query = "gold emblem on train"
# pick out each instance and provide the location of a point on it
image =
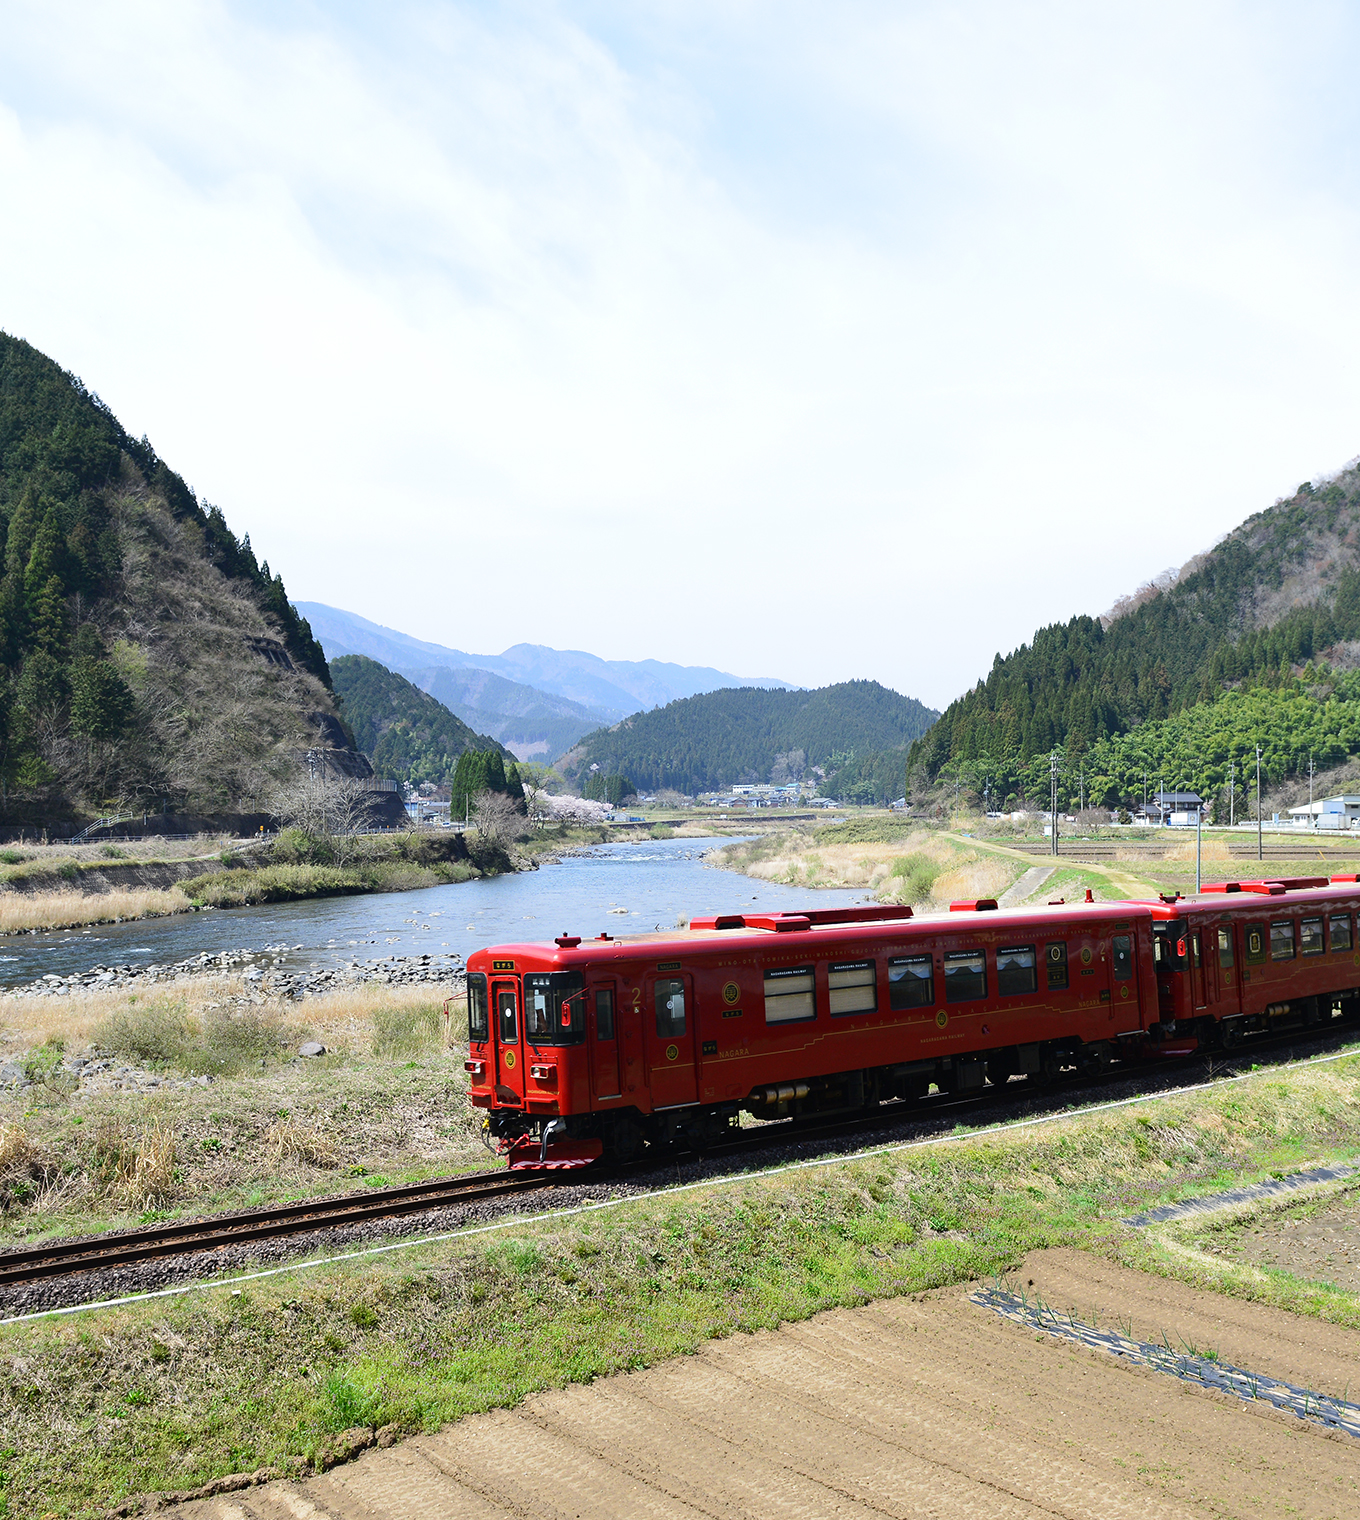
(731, 994)
(672, 1051)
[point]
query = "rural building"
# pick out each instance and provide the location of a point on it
(1327, 813)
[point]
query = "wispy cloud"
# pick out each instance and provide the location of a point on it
(783, 338)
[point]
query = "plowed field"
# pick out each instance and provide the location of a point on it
(928, 1407)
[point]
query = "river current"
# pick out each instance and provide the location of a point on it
(615, 888)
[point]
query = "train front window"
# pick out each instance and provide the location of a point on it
(477, 1006)
(670, 1009)
(911, 982)
(1168, 945)
(555, 1008)
(965, 976)
(1015, 971)
(1122, 950)
(507, 1029)
(1340, 927)
(1282, 940)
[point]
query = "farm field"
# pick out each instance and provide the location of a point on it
(929, 1405)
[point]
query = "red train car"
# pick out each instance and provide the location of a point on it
(581, 1050)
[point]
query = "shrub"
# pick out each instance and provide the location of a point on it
(11, 857)
(233, 1040)
(112, 852)
(917, 874)
(296, 846)
(662, 831)
(24, 1166)
(152, 1035)
(291, 1141)
(135, 1169)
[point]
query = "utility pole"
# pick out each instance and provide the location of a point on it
(1259, 853)
(1232, 777)
(1199, 841)
(1053, 797)
(1311, 818)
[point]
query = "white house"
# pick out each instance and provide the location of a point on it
(1328, 813)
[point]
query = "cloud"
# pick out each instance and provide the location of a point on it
(798, 342)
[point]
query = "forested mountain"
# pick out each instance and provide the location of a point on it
(405, 733)
(146, 657)
(1280, 590)
(725, 737)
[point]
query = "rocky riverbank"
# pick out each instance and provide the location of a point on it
(263, 974)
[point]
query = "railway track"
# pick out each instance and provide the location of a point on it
(184, 1236)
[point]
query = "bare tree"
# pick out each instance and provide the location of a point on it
(499, 819)
(327, 806)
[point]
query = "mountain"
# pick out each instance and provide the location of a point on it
(720, 738)
(610, 689)
(146, 657)
(533, 724)
(405, 733)
(1277, 592)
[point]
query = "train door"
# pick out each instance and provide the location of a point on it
(508, 1023)
(1199, 971)
(604, 1042)
(668, 1024)
(1222, 948)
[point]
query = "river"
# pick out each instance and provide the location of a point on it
(616, 888)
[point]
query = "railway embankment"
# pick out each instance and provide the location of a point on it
(293, 1371)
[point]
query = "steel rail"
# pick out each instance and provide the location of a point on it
(215, 1232)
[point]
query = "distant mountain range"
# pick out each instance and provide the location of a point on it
(535, 700)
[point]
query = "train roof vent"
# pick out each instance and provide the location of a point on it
(783, 922)
(1221, 886)
(980, 905)
(568, 941)
(1265, 888)
(1337, 880)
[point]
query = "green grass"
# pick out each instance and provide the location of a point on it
(171, 1393)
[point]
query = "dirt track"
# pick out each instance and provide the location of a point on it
(936, 1407)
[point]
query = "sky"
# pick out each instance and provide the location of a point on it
(818, 341)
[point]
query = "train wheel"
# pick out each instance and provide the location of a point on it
(1048, 1073)
(1230, 1033)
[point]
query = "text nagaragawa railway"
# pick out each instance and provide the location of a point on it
(581, 1051)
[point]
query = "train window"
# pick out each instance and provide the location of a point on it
(789, 994)
(1055, 964)
(477, 1013)
(1015, 971)
(554, 1008)
(1282, 940)
(604, 1013)
(853, 986)
(670, 1008)
(911, 982)
(1340, 927)
(1194, 951)
(1310, 936)
(1122, 952)
(965, 976)
(506, 1031)
(1256, 944)
(1225, 947)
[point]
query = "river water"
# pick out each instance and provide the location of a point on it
(616, 888)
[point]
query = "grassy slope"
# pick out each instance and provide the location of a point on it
(173, 1392)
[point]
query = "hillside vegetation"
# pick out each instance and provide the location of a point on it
(725, 737)
(1276, 593)
(405, 732)
(146, 656)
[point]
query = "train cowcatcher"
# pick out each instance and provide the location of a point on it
(580, 1051)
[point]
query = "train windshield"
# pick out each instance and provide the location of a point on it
(555, 1008)
(477, 1016)
(1168, 945)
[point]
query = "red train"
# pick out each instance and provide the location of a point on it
(582, 1050)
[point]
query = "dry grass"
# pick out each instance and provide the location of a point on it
(66, 910)
(291, 1141)
(136, 1169)
(924, 867)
